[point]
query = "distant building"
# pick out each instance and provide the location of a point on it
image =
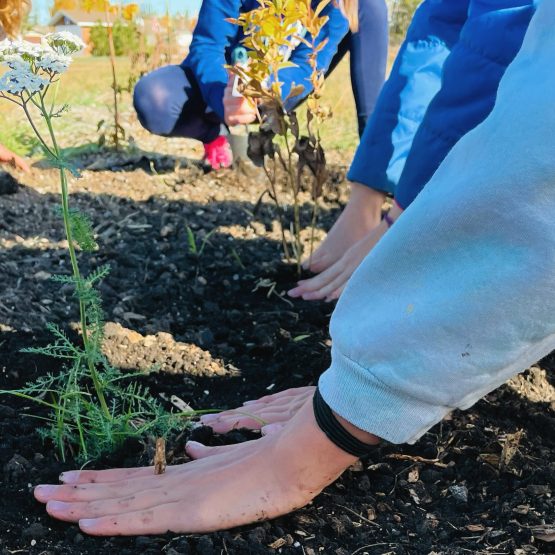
(35, 35)
(78, 22)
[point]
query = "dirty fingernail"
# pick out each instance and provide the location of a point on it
(192, 446)
(87, 524)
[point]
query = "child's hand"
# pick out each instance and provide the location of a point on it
(237, 109)
(8, 157)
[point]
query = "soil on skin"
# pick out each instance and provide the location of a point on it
(220, 331)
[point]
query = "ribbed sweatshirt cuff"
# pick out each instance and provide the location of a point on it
(360, 397)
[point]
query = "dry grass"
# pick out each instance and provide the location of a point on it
(86, 85)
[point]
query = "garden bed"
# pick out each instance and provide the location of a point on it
(220, 331)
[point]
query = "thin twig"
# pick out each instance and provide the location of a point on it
(369, 546)
(360, 516)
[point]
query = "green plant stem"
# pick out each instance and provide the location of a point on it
(54, 98)
(74, 264)
(37, 132)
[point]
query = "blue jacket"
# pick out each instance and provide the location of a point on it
(443, 84)
(214, 39)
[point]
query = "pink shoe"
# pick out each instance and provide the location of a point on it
(218, 153)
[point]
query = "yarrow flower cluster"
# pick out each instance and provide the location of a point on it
(52, 62)
(65, 43)
(32, 67)
(18, 81)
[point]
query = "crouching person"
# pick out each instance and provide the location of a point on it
(195, 99)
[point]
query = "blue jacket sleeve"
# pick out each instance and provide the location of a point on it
(489, 41)
(414, 80)
(459, 295)
(334, 32)
(206, 58)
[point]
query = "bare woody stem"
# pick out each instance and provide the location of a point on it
(274, 193)
(274, 196)
(313, 222)
(291, 175)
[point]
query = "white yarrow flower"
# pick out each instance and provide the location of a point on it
(6, 49)
(65, 42)
(33, 66)
(29, 51)
(16, 62)
(18, 81)
(53, 62)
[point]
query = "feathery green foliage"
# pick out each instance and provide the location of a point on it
(93, 407)
(81, 228)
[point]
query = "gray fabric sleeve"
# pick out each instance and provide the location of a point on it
(460, 294)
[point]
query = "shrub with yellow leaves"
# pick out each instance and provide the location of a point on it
(271, 33)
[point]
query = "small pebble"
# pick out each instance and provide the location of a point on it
(460, 493)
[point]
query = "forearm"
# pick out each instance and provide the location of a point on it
(459, 295)
(373, 199)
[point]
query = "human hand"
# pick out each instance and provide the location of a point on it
(330, 283)
(267, 414)
(9, 157)
(237, 109)
(234, 486)
(361, 214)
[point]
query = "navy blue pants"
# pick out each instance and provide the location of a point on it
(169, 103)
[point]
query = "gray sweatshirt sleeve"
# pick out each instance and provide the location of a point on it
(460, 294)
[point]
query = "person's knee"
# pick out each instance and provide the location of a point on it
(155, 98)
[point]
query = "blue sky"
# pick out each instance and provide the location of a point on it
(41, 7)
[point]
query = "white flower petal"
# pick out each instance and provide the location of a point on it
(65, 42)
(17, 81)
(54, 63)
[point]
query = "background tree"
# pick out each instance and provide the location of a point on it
(126, 39)
(64, 5)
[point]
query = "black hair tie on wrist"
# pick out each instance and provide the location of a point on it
(334, 431)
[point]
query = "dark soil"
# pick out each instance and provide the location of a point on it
(221, 331)
(8, 184)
